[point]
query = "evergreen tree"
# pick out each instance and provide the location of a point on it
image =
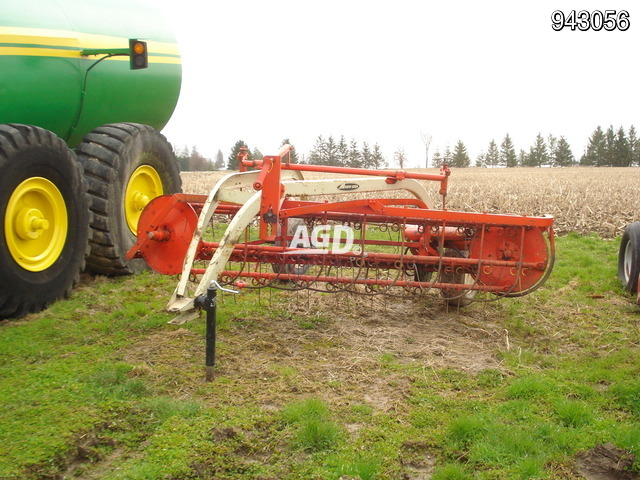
(460, 157)
(634, 145)
(355, 159)
(552, 145)
(366, 156)
(508, 156)
(623, 151)
(256, 154)
(610, 147)
(218, 164)
(293, 154)
(448, 156)
(595, 154)
(316, 154)
(523, 159)
(562, 155)
(232, 161)
(343, 152)
(538, 154)
(492, 157)
(481, 160)
(377, 159)
(330, 152)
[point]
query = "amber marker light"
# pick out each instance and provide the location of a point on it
(138, 53)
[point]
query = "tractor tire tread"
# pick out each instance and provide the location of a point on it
(630, 236)
(58, 281)
(102, 153)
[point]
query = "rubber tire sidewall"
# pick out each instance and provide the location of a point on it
(142, 145)
(142, 149)
(290, 269)
(631, 236)
(47, 156)
(454, 297)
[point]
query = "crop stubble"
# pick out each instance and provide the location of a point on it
(582, 199)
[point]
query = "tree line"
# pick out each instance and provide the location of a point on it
(343, 153)
(325, 151)
(612, 148)
(255, 154)
(552, 151)
(191, 160)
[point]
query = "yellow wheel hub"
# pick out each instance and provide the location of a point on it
(143, 186)
(36, 224)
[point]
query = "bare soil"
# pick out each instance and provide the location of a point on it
(332, 346)
(606, 462)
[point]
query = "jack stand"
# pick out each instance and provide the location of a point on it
(209, 304)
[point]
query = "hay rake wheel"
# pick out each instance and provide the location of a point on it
(274, 236)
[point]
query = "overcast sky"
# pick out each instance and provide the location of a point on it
(387, 71)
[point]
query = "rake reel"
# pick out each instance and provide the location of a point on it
(270, 227)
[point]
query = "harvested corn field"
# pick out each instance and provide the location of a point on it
(582, 199)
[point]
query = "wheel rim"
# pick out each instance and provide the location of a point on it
(628, 261)
(144, 185)
(36, 224)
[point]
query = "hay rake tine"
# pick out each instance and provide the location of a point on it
(403, 247)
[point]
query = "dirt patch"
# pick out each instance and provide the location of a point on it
(86, 461)
(414, 330)
(339, 347)
(606, 462)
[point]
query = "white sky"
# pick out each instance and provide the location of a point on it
(386, 71)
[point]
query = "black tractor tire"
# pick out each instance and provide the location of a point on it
(290, 269)
(456, 298)
(110, 155)
(629, 257)
(32, 158)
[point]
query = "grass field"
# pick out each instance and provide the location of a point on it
(318, 386)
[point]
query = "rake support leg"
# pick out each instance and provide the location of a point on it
(209, 303)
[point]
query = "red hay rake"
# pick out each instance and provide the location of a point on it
(270, 227)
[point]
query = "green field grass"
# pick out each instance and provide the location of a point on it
(316, 386)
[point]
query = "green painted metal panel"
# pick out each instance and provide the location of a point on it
(119, 95)
(46, 82)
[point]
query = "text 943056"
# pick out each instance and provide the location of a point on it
(596, 20)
